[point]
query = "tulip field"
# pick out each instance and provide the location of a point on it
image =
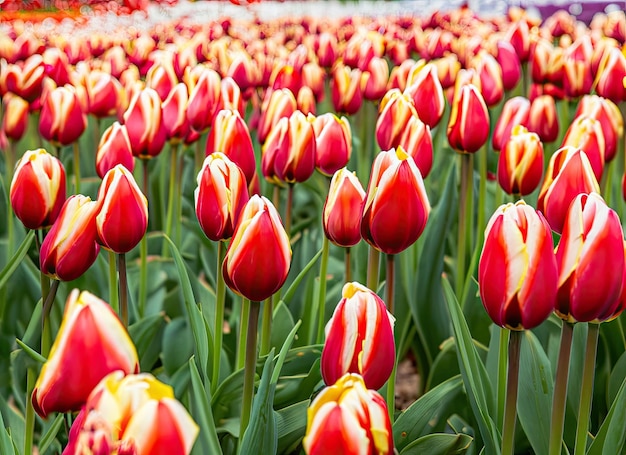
(232, 227)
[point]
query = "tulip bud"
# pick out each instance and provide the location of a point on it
(397, 207)
(38, 189)
(230, 136)
(569, 174)
(289, 150)
(395, 111)
(518, 35)
(590, 256)
(105, 94)
(586, 134)
(543, 118)
(359, 338)
(333, 142)
(204, 100)
(609, 82)
(114, 148)
(577, 78)
(348, 418)
(424, 88)
(70, 247)
(122, 219)
(91, 343)
(230, 96)
(346, 89)
(326, 48)
(343, 208)
(162, 78)
(375, 79)
(417, 142)
(220, 196)
(175, 114)
(517, 270)
(520, 164)
(490, 75)
(25, 81)
(144, 123)
(15, 118)
(276, 105)
(468, 127)
(510, 64)
(132, 415)
(515, 112)
(610, 118)
(62, 120)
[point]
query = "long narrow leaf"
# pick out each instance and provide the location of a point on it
(283, 352)
(6, 445)
(16, 260)
(50, 435)
(30, 351)
(474, 374)
(203, 414)
(612, 434)
(296, 281)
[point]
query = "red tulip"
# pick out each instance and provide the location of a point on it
(609, 82)
(341, 217)
(586, 134)
(276, 105)
(510, 64)
(417, 142)
(105, 94)
(396, 108)
(425, 89)
(346, 89)
(144, 123)
(62, 120)
(175, 114)
(610, 118)
(515, 112)
(468, 127)
(15, 116)
(114, 148)
(333, 142)
(257, 268)
(543, 118)
(38, 189)
(91, 343)
(520, 164)
(590, 256)
(220, 196)
(204, 98)
(359, 338)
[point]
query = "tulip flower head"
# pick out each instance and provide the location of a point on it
(62, 120)
(586, 134)
(347, 418)
(359, 338)
(425, 89)
(122, 219)
(333, 142)
(590, 257)
(135, 414)
(114, 148)
(15, 117)
(70, 247)
(468, 127)
(220, 196)
(91, 343)
(38, 189)
(397, 208)
(520, 164)
(144, 123)
(343, 208)
(259, 256)
(517, 271)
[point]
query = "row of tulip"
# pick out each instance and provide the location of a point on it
(289, 82)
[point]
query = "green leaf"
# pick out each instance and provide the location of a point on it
(203, 415)
(615, 380)
(226, 401)
(535, 393)
(6, 444)
(296, 281)
(261, 436)
(31, 352)
(283, 352)
(291, 426)
(50, 435)
(177, 345)
(612, 433)
(146, 334)
(16, 260)
(477, 384)
(196, 320)
(282, 323)
(439, 444)
(419, 418)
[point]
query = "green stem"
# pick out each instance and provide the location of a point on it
(510, 411)
(10, 165)
(199, 154)
(482, 193)
(171, 198)
(266, 326)
(250, 367)
(560, 390)
(113, 293)
(389, 300)
(143, 250)
(178, 231)
(46, 335)
(348, 265)
(586, 391)
(29, 425)
(96, 132)
(123, 289)
(243, 330)
(464, 196)
(373, 264)
(502, 358)
(321, 307)
(289, 210)
(76, 149)
(391, 393)
(219, 315)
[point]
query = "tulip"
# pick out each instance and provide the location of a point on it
(276, 105)
(490, 74)
(577, 78)
(220, 196)
(448, 68)
(230, 96)
(38, 189)
(62, 119)
(244, 71)
(204, 99)
(91, 343)
(326, 48)
(144, 123)
(253, 268)
(569, 174)
(70, 247)
(333, 142)
(359, 338)
(313, 77)
(518, 35)
(25, 81)
(590, 257)
(424, 88)
(135, 414)
(122, 219)
(586, 134)
(289, 150)
(15, 118)
(347, 418)
(517, 270)
(610, 118)
(346, 89)
(400, 73)
(543, 118)
(468, 127)
(396, 108)
(341, 217)
(520, 164)
(230, 136)
(397, 207)
(515, 112)
(546, 64)
(114, 148)
(510, 64)
(105, 94)
(375, 78)
(417, 142)
(609, 82)
(175, 114)
(162, 78)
